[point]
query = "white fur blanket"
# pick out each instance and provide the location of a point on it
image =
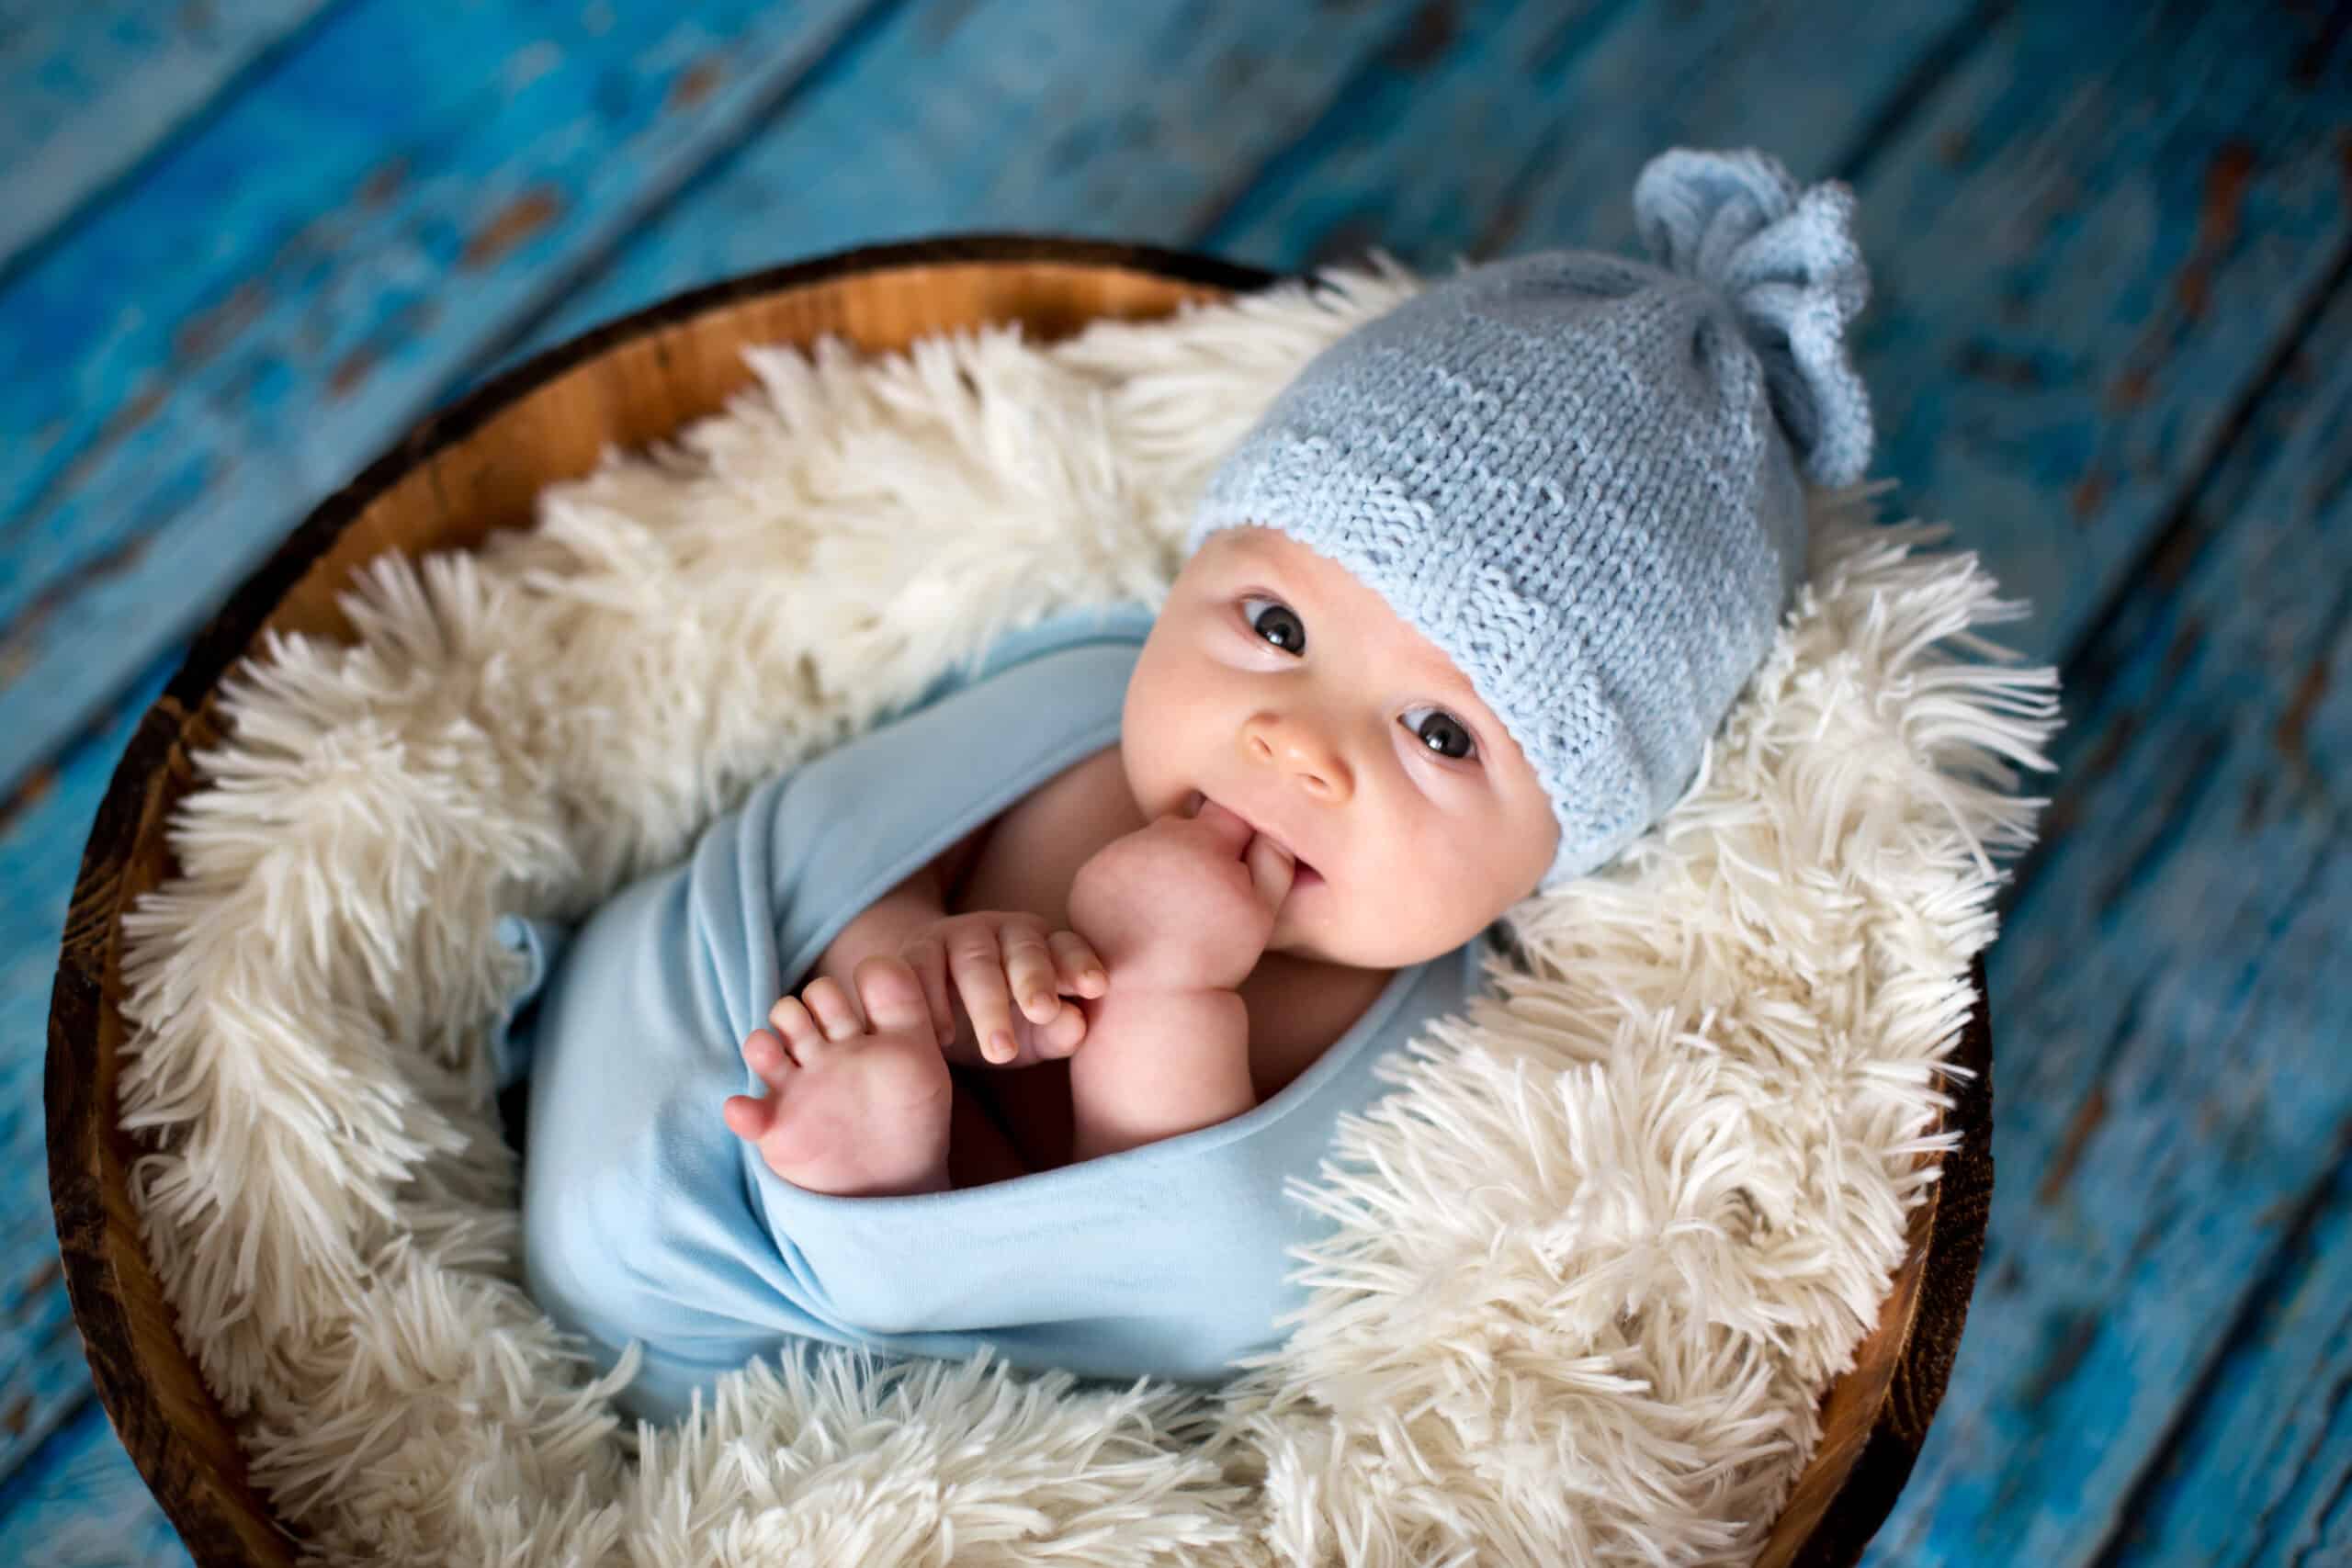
(1594, 1262)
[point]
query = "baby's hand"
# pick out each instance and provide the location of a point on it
(1184, 903)
(992, 955)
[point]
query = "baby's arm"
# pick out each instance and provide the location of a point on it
(1157, 1064)
(1181, 910)
(887, 923)
(881, 926)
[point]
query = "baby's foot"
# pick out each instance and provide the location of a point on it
(851, 1112)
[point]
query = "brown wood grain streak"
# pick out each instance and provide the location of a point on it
(108, 1278)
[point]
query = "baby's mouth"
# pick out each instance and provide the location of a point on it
(1302, 874)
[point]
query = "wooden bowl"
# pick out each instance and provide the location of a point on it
(477, 467)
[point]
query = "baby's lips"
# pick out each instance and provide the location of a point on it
(1234, 831)
(1239, 835)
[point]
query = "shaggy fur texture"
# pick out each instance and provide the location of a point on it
(1595, 1260)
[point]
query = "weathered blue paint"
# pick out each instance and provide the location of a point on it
(42, 1375)
(88, 89)
(2171, 1000)
(260, 308)
(2084, 263)
(1126, 139)
(79, 1503)
(2079, 256)
(2263, 1477)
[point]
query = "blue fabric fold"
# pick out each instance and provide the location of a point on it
(645, 1219)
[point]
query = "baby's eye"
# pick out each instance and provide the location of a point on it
(1433, 735)
(1296, 637)
(1289, 633)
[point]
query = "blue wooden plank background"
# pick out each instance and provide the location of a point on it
(243, 245)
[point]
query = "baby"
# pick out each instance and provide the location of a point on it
(1292, 756)
(1456, 621)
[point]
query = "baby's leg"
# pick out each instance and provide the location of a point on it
(851, 1110)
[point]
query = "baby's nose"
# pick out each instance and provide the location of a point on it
(1302, 751)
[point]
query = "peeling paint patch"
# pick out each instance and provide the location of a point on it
(694, 83)
(515, 222)
(350, 371)
(2069, 1147)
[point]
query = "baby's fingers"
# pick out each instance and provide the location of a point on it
(1081, 972)
(978, 967)
(927, 956)
(1271, 869)
(1029, 969)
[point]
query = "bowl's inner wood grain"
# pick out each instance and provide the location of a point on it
(460, 476)
(1853, 1402)
(651, 385)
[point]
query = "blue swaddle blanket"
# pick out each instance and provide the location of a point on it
(644, 1218)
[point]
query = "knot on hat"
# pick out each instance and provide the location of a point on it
(1787, 264)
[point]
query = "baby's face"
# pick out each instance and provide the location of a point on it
(1286, 691)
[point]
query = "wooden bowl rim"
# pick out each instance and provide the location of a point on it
(1947, 1252)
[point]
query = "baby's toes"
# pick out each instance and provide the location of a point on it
(893, 1000)
(836, 1020)
(747, 1118)
(792, 1033)
(767, 1055)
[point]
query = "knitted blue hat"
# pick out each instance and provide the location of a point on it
(1575, 473)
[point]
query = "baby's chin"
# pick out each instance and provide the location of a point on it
(1311, 942)
(1323, 939)
(1292, 939)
